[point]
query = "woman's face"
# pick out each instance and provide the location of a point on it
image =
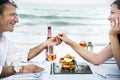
(114, 13)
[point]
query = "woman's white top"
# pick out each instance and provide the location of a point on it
(10, 53)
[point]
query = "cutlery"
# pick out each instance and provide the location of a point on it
(39, 74)
(108, 75)
(51, 69)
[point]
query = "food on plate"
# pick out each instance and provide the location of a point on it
(68, 62)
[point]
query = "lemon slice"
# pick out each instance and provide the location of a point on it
(67, 59)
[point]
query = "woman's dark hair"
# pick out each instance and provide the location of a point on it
(116, 2)
(3, 4)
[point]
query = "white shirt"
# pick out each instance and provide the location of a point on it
(9, 52)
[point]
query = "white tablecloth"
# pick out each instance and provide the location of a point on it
(102, 68)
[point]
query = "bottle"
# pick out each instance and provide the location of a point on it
(49, 35)
(90, 46)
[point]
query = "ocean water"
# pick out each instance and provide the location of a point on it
(86, 22)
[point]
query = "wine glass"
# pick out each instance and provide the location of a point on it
(51, 57)
(51, 54)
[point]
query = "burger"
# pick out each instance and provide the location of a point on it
(68, 62)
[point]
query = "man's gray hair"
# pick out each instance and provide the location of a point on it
(3, 4)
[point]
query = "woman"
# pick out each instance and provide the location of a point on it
(112, 50)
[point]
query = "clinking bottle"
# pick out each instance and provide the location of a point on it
(49, 35)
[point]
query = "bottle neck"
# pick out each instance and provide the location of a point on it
(49, 33)
(48, 37)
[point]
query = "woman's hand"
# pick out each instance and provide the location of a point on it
(63, 37)
(115, 26)
(54, 41)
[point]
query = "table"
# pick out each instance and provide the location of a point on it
(102, 68)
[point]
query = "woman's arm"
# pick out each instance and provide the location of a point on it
(113, 36)
(115, 44)
(95, 58)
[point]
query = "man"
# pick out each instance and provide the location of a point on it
(8, 19)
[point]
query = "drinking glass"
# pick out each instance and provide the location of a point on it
(51, 57)
(51, 54)
(83, 44)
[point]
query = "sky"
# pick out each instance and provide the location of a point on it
(66, 1)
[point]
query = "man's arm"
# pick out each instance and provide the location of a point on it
(7, 71)
(36, 50)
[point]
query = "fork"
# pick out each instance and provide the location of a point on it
(108, 75)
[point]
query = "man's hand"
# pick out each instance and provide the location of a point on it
(31, 68)
(54, 41)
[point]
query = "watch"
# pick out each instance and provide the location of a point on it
(18, 69)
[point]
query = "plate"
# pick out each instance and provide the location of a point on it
(81, 68)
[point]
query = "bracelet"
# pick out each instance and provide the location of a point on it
(21, 69)
(18, 69)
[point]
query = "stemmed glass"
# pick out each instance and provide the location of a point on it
(51, 57)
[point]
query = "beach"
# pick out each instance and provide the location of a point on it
(81, 22)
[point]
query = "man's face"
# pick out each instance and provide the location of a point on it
(8, 19)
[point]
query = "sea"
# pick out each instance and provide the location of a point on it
(80, 22)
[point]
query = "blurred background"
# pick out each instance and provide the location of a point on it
(79, 19)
